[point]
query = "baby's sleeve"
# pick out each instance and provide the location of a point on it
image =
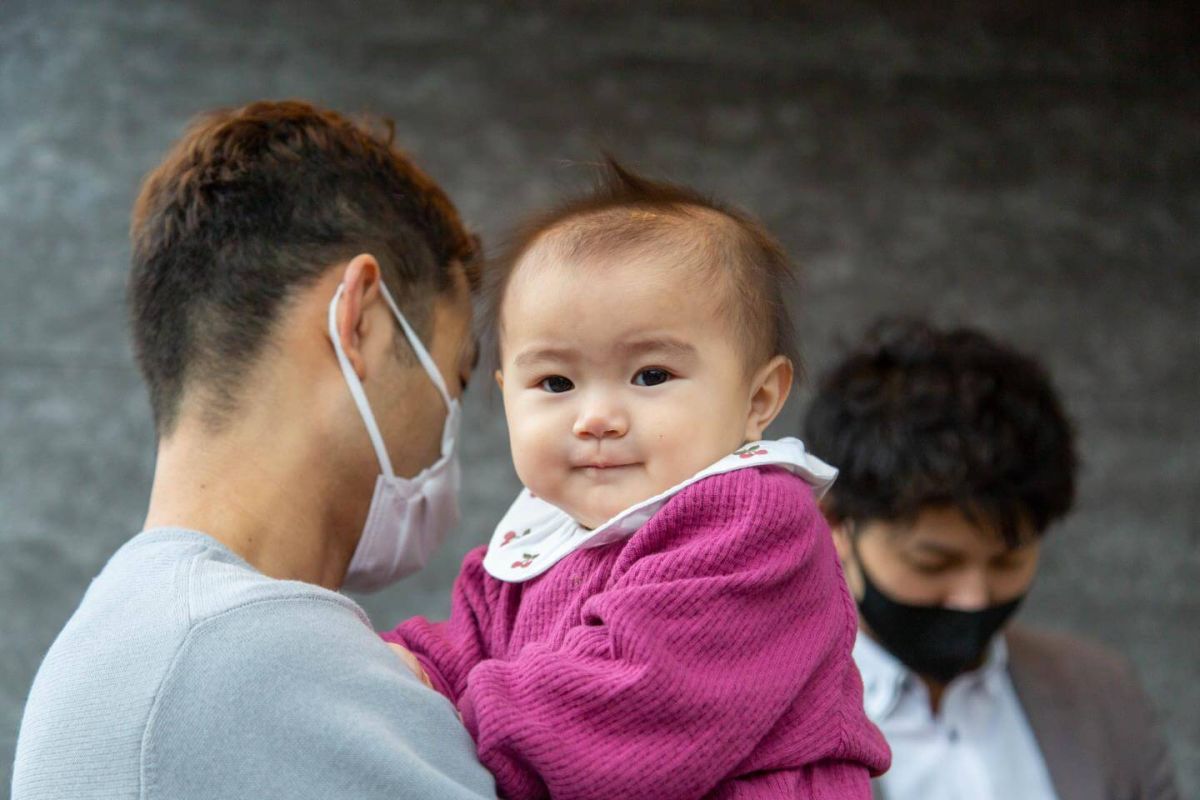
(449, 650)
(720, 649)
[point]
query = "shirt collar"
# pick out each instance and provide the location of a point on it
(534, 534)
(886, 680)
(884, 677)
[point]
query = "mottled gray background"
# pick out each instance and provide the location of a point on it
(1029, 170)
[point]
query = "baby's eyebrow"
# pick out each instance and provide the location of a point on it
(658, 344)
(665, 345)
(541, 354)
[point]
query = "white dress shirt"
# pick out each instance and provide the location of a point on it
(979, 746)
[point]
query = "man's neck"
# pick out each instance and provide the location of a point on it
(260, 489)
(936, 691)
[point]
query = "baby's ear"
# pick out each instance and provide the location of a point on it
(769, 392)
(500, 379)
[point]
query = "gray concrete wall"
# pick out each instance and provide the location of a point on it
(1031, 171)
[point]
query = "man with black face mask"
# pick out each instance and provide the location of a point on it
(955, 457)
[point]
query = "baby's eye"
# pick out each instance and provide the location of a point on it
(651, 377)
(557, 384)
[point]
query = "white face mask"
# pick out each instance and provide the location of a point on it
(409, 517)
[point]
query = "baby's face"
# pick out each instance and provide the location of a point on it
(620, 380)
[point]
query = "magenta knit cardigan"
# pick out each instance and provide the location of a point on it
(708, 655)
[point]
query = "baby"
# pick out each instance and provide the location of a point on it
(661, 613)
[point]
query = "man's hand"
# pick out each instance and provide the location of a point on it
(410, 661)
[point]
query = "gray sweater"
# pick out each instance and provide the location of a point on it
(185, 673)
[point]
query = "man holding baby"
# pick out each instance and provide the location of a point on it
(294, 276)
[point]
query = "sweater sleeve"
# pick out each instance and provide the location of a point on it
(449, 650)
(299, 699)
(719, 648)
(824, 779)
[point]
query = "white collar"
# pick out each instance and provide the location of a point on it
(535, 535)
(885, 679)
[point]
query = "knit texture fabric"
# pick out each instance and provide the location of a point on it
(186, 674)
(708, 655)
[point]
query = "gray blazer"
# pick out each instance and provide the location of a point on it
(1094, 724)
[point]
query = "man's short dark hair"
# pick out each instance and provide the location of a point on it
(918, 417)
(626, 211)
(253, 204)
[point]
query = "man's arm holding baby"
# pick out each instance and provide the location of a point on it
(297, 698)
(720, 649)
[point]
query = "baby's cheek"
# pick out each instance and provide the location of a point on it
(686, 459)
(538, 464)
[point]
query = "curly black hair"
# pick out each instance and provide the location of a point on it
(917, 416)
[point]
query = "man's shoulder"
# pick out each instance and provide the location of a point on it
(317, 698)
(1044, 655)
(246, 627)
(99, 683)
(209, 580)
(1061, 677)
(295, 675)
(1089, 713)
(253, 625)
(187, 673)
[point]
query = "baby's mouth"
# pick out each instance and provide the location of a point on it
(606, 465)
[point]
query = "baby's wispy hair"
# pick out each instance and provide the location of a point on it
(625, 213)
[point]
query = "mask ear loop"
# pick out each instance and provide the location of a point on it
(435, 374)
(423, 356)
(356, 388)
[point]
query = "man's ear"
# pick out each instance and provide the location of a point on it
(360, 288)
(769, 391)
(844, 545)
(841, 541)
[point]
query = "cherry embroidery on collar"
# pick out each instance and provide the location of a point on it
(527, 560)
(508, 537)
(750, 450)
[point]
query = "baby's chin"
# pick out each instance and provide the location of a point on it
(593, 504)
(594, 514)
(593, 520)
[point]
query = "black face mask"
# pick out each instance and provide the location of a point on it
(933, 641)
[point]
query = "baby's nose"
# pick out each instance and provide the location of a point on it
(601, 422)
